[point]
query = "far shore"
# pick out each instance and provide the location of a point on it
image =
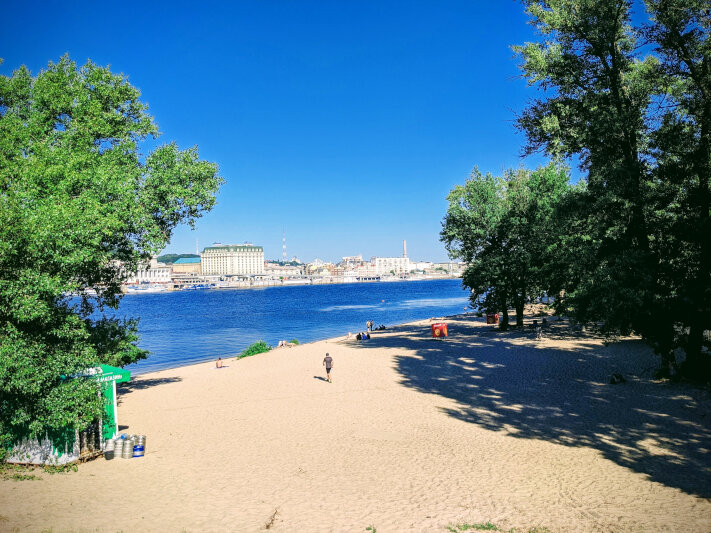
(414, 434)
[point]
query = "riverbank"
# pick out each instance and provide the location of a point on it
(198, 282)
(414, 434)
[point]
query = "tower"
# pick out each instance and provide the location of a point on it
(404, 248)
(283, 246)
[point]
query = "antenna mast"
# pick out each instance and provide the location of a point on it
(283, 247)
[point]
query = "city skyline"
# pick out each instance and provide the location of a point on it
(292, 256)
(346, 125)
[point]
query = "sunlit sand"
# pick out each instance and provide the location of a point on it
(414, 434)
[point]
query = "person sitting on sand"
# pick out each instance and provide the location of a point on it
(328, 363)
(359, 336)
(218, 363)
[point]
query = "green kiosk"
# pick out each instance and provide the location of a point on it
(69, 446)
(109, 377)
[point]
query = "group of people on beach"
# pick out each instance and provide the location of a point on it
(360, 336)
(370, 326)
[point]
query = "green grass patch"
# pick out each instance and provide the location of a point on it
(254, 349)
(17, 472)
(294, 341)
(61, 469)
(488, 526)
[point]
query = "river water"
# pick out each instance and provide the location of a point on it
(185, 327)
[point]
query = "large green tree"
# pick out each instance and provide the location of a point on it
(80, 205)
(681, 145)
(639, 119)
(504, 228)
(595, 97)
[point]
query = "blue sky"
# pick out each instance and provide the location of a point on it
(345, 123)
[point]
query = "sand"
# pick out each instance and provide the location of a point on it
(414, 434)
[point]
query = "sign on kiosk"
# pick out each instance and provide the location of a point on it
(439, 330)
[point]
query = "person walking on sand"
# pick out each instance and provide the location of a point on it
(328, 363)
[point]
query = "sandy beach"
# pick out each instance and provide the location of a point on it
(413, 435)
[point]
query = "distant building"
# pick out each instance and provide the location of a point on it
(421, 265)
(387, 265)
(187, 265)
(352, 260)
(233, 260)
(451, 267)
(275, 270)
(152, 272)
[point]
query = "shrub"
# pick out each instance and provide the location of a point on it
(254, 349)
(294, 341)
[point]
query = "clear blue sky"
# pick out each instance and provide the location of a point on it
(346, 123)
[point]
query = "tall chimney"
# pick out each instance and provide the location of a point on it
(404, 248)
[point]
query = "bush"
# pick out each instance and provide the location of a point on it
(294, 341)
(254, 349)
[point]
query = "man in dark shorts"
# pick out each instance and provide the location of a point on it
(328, 363)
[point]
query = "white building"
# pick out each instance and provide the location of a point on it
(233, 260)
(386, 265)
(153, 272)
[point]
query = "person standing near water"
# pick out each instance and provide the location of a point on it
(328, 363)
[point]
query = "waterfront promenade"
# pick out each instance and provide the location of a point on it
(413, 435)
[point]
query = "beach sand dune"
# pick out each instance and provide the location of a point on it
(414, 434)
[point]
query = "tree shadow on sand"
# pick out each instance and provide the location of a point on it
(128, 387)
(509, 381)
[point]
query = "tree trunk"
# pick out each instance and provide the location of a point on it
(520, 304)
(698, 364)
(504, 322)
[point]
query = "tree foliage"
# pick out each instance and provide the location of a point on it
(172, 258)
(79, 201)
(504, 227)
(634, 104)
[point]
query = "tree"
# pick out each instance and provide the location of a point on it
(596, 97)
(79, 202)
(641, 127)
(172, 258)
(503, 228)
(681, 144)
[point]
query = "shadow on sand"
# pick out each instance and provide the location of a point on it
(139, 384)
(508, 381)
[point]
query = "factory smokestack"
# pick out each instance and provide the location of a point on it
(404, 248)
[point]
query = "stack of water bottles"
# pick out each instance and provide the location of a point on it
(125, 447)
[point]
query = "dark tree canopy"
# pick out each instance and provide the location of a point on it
(634, 104)
(79, 201)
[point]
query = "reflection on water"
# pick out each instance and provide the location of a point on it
(346, 307)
